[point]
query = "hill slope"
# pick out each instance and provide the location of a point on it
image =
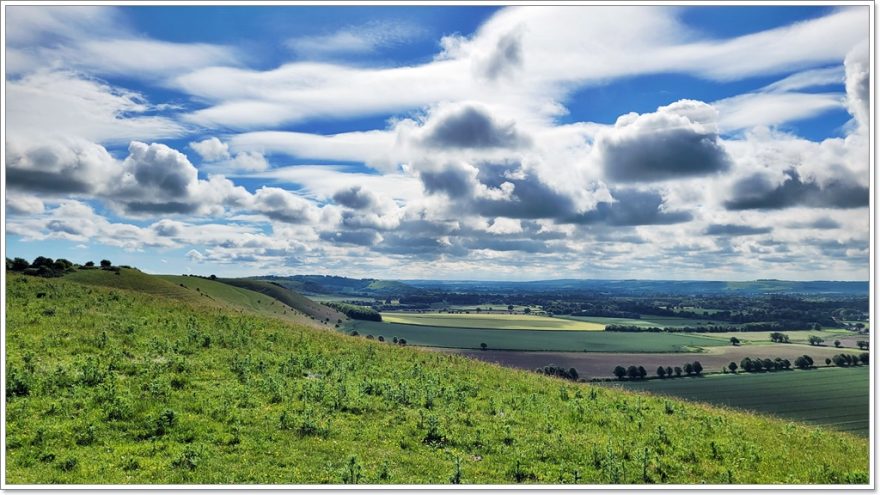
(115, 386)
(287, 296)
(191, 289)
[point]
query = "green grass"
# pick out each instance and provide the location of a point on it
(289, 297)
(243, 299)
(490, 321)
(115, 386)
(834, 397)
(534, 340)
(796, 336)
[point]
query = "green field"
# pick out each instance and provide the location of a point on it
(117, 386)
(834, 397)
(534, 340)
(796, 336)
(490, 321)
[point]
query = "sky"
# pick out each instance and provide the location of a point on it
(442, 142)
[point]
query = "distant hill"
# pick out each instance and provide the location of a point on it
(668, 287)
(325, 284)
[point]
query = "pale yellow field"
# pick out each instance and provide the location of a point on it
(499, 321)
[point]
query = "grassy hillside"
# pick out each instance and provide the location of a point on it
(287, 296)
(243, 299)
(192, 289)
(114, 386)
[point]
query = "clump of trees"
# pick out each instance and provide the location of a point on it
(558, 371)
(845, 360)
(41, 266)
(356, 312)
(804, 362)
(863, 344)
(751, 365)
(816, 340)
(780, 338)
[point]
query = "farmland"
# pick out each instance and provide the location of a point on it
(846, 337)
(834, 397)
(647, 321)
(593, 364)
(534, 340)
(490, 321)
(121, 386)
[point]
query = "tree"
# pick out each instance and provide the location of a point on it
(90, 264)
(669, 371)
(837, 343)
(698, 368)
(864, 357)
(642, 372)
(827, 361)
(42, 261)
(817, 327)
(573, 374)
(483, 346)
(803, 362)
(19, 264)
(527, 310)
(661, 372)
(632, 372)
(689, 368)
(106, 264)
(677, 371)
(380, 338)
(401, 341)
(732, 367)
(863, 344)
(816, 340)
(619, 372)
(510, 307)
(213, 277)
(734, 341)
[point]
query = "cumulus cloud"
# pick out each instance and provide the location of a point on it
(17, 203)
(356, 197)
(736, 230)
(630, 207)
(211, 149)
(59, 166)
(858, 80)
(284, 206)
(356, 237)
(677, 141)
(760, 192)
(470, 126)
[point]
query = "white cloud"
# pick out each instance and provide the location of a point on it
(211, 149)
(771, 109)
(66, 104)
(98, 39)
(354, 40)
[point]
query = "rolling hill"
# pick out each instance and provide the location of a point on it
(137, 385)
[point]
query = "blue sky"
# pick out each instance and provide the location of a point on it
(706, 142)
